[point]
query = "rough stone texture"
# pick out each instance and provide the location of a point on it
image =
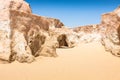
(19, 5)
(5, 29)
(48, 49)
(35, 33)
(88, 33)
(23, 34)
(111, 36)
(5, 41)
(108, 32)
(66, 37)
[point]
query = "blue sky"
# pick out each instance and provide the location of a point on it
(74, 13)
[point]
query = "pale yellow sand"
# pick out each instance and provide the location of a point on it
(87, 62)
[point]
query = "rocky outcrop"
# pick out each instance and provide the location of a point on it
(108, 32)
(66, 37)
(111, 36)
(23, 34)
(5, 28)
(37, 31)
(88, 33)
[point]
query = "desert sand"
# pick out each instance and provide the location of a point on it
(85, 62)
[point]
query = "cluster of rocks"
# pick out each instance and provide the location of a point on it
(24, 36)
(88, 33)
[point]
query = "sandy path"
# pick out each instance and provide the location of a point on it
(87, 62)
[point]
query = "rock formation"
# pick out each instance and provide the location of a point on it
(88, 33)
(24, 36)
(108, 32)
(66, 37)
(111, 36)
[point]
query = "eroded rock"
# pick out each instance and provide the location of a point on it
(24, 34)
(88, 33)
(111, 38)
(19, 5)
(66, 37)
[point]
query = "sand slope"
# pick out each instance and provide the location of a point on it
(86, 62)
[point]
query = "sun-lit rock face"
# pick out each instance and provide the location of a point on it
(5, 41)
(66, 37)
(5, 28)
(19, 5)
(108, 32)
(88, 33)
(35, 33)
(36, 30)
(23, 34)
(6, 53)
(111, 36)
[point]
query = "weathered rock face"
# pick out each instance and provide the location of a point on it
(66, 37)
(111, 36)
(34, 31)
(88, 33)
(6, 52)
(5, 40)
(19, 5)
(24, 35)
(5, 29)
(56, 23)
(108, 32)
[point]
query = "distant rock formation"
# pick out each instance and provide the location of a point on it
(88, 33)
(24, 36)
(66, 37)
(108, 32)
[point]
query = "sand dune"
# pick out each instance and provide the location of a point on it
(86, 62)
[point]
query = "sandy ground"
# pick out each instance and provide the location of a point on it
(86, 62)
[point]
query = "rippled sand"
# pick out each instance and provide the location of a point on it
(86, 62)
